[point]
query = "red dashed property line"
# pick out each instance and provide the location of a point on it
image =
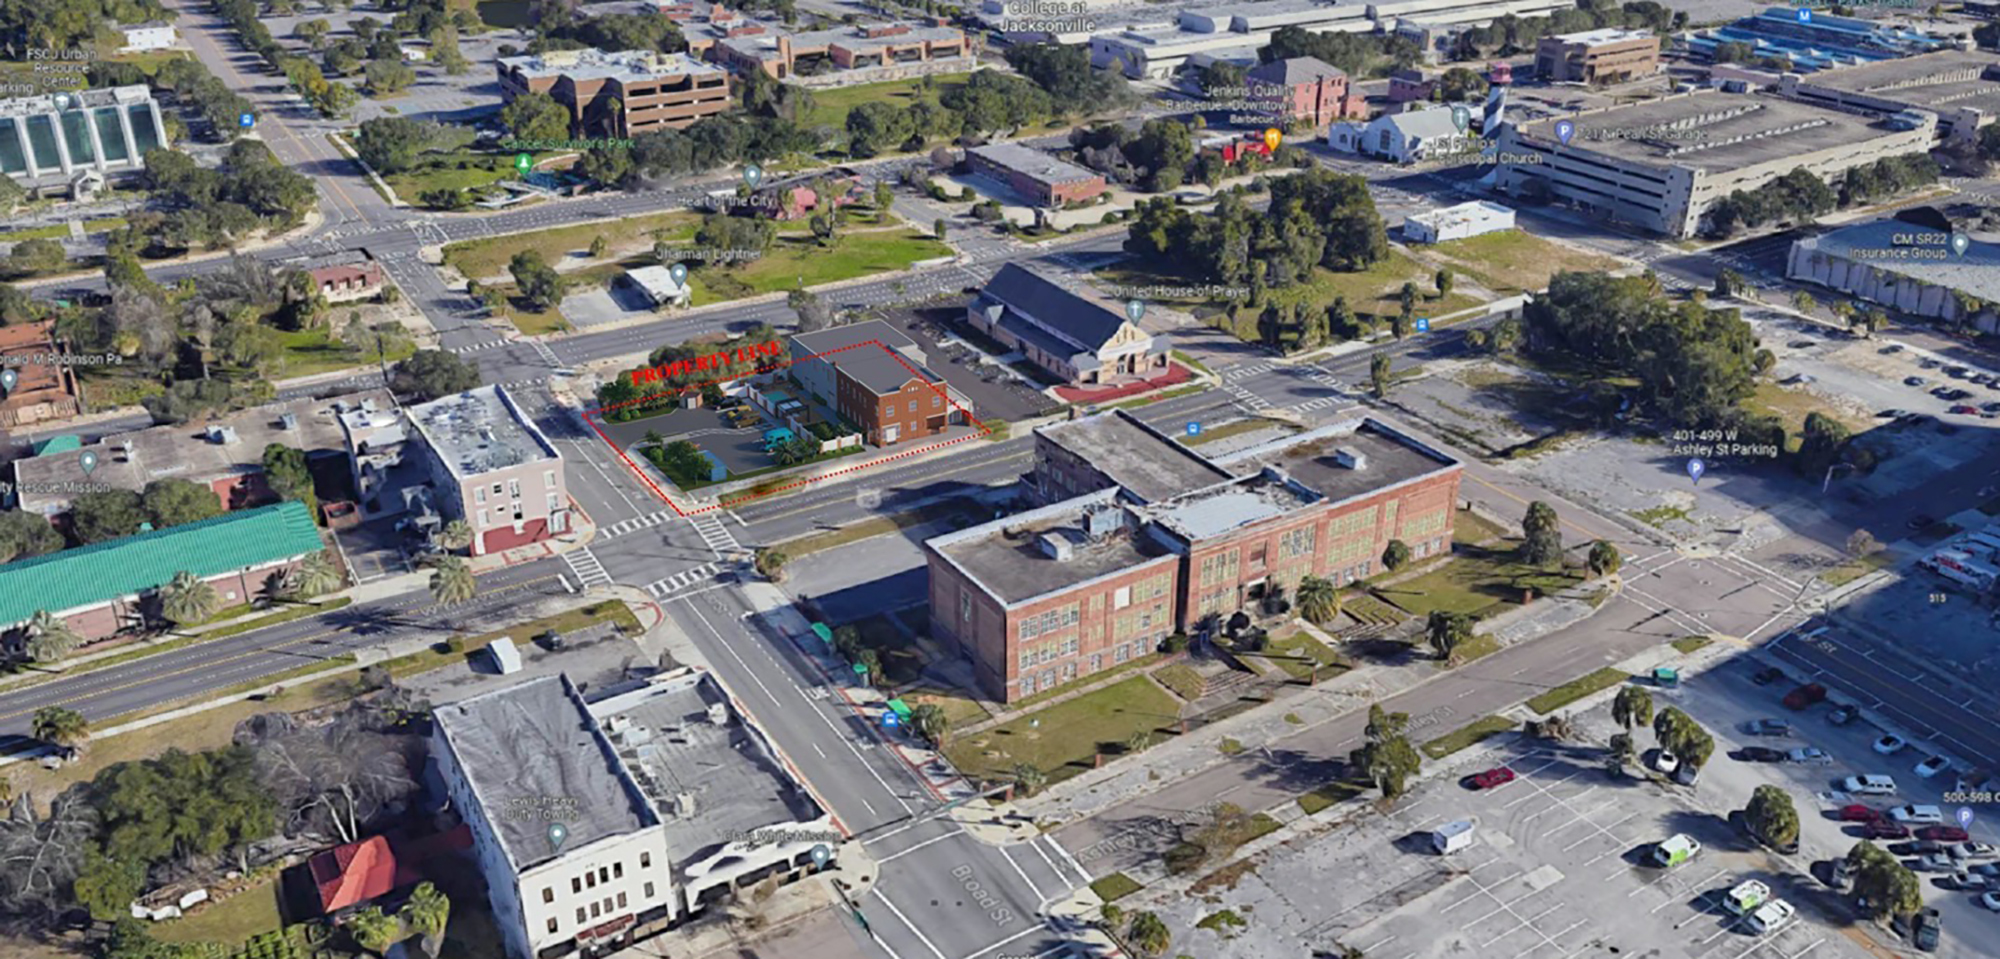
(938, 387)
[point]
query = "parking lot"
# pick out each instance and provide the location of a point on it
(600, 305)
(740, 450)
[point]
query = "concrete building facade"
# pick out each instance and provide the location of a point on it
(1610, 55)
(1457, 222)
(1412, 136)
(1149, 539)
(620, 94)
(51, 137)
(1660, 164)
(491, 465)
(1962, 87)
(1907, 267)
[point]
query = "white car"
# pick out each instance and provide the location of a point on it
(1810, 756)
(1991, 901)
(1890, 745)
(1666, 762)
(1917, 815)
(1771, 915)
(1972, 850)
(1932, 766)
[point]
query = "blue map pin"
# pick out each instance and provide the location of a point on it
(1564, 130)
(1696, 467)
(679, 272)
(88, 460)
(1965, 817)
(7, 380)
(821, 855)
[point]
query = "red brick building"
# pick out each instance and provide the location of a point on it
(622, 93)
(45, 389)
(875, 377)
(348, 281)
(1305, 89)
(1146, 538)
(1037, 177)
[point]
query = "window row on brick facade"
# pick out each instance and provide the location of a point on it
(1055, 619)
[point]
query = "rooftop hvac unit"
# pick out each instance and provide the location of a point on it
(1350, 458)
(221, 434)
(684, 805)
(1100, 523)
(718, 714)
(1057, 547)
(289, 421)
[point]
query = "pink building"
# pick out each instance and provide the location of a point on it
(354, 281)
(1306, 89)
(491, 466)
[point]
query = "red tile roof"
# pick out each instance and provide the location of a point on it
(374, 867)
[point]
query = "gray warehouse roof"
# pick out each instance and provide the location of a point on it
(879, 368)
(1315, 459)
(1947, 79)
(1713, 131)
(1977, 272)
(1135, 456)
(1008, 558)
(1033, 164)
(535, 757)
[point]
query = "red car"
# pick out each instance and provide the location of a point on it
(1943, 834)
(1885, 829)
(1963, 409)
(1499, 776)
(1859, 813)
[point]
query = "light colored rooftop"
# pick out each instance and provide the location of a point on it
(1011, 557)
(1711, 130)
(1033, 163)
(73, 100)
(1217, 510)
(1134, 455)
(622, 65)
(1346, 459)
(479, 431)
(1977, 272)
(1909, 76)
(1599, 37)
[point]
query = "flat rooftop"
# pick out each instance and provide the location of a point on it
(622, 65)
(74, 99)
(1977, 272)
(1948, 79)
(1712, 130)
(535, 757)
(1008, 556)
(1314, 459)
(709, 776)
(479, 431)
(1593, 38)
(201, 452)
(1135, 456)
(1217, 510)
(853, 36)
(1034, 164)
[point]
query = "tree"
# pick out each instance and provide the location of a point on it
(870, 659)
(1604, 558)
(539, 282)
(318, 574)
(451, 580)
(1821, 444)
(101, 515)
(427, 912)
(1386, 760)
(1678, 733)
(1862, 543)
(1446, 631)
(58, 726)
(1378, 375)
(36, 256)
(535, 117)
(938, 229)
(770, 563)
(1396, 555)
(188, 599)
(1444, 280)
(48, 638)
(599, 246)
(430, 374)
(812, 312)
(931, 723)
(285, 472)
(1148, 934)
(1633, 707)
(1727, 282)
(107, 887)
(1772, 816)
(1318, 600)
(1620, 754)
(1542, 540)
(24, 534)
(172, 502)
(1029, 777)
(1803, 302)
(455, 535)
(392, 144)
(1883, 882)
(374, 930)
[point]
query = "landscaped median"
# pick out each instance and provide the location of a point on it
(1576, 689)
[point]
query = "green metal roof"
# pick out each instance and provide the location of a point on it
(89, 575)
(59, 444)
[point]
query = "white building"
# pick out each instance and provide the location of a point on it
(1404, 137)
(1457, 222)
(151, 35)
(659, 285)
(597, 823)
(1907, 267)
(49, 137)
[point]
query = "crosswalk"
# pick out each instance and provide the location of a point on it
(589, 572)
(1319, 404)
(1247, 399)
(673, 584)
(716, 535)
(476, 347)
(1236, 373)
(634, 524)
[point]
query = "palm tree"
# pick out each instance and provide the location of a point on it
(931, 722)
(1633, 707)
(451, 580)
(318, 574)
(456, 534)
(1029, 777)
(187, 599)
(49, 638)
(1318, 599)
(374, 931)
(1604, 559)
(60, 727)
(653, 438)
(428, 910)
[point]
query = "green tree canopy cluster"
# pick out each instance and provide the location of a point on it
(1678, 733)
(214, 208)
(190, 82)
(71, 23)
(394, 144)
(1795, 197)
(1694, 365)
(1893, 176)
(1318, 218)
(1063, 71)
(109, 514)
(1510, 35)
(618, 394)
(429, 374)
(1889, 887)
(1386, 759)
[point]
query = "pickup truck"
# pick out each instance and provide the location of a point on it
(1805, 696)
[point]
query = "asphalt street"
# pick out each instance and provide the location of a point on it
(188, 673)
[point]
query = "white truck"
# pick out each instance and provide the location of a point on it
(1452, 836)
(1959, 567)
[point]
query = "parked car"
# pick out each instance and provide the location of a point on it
(1874, 784)
(1890, 744)
(1932, 766)
(1966, 881)
(1497, 776)
(1760, 754)
(1769, 727)
(1666, 762)
(1842, 715)
(1955, 372)
(1973, 850)
(1855, 812)
(1934, 862)
(1920, 815)
(1805, 696)
(1943, 834)
(1924, 929)
(1914, 381)
(1891, 350)
(1963, 410)
(1928, 364)
(1768, 675)
(1885, 829)
(1991, 901)
(1810, 756)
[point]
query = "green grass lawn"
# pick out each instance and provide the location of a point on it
(315, 351)
(1514, 262)
(831, 106)
(1689, 644)
(902, 662)
(1576, 689)
(1854, 569)
(1472, 529)
(230, 922)
(57, 231)
(1238, 428)
(1115, 887)
(1458, 739)
(796, 261)
(1478, 580)
(1296, 652)
(1328, 795)
(960, 710)
(1373, 290)
(488, 257)
(1069, 733)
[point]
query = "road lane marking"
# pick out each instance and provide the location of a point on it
(905, 852)
(879, 894)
